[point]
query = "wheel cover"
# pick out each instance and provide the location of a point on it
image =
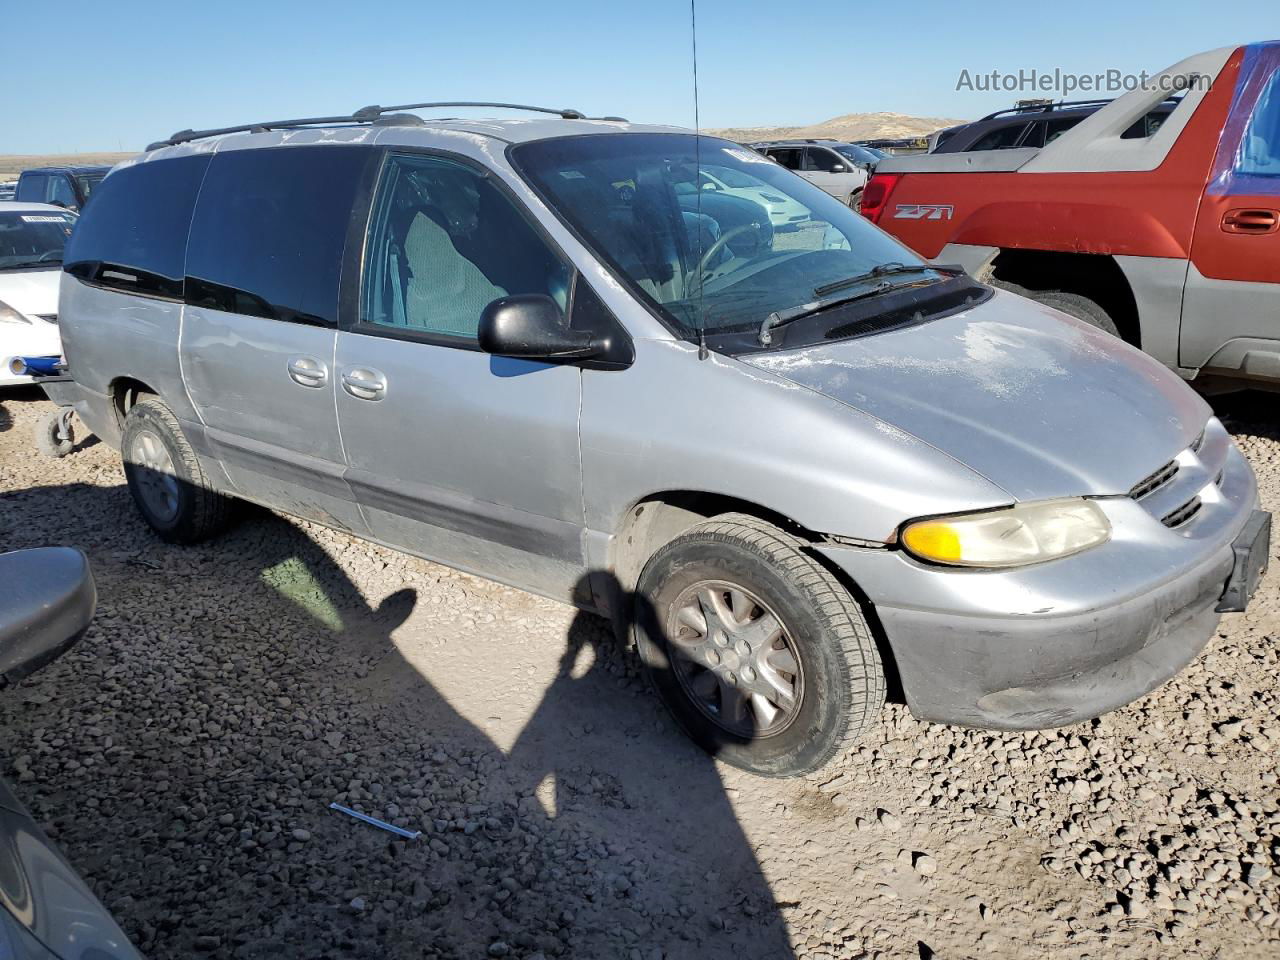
(153, 472)
(734, 659)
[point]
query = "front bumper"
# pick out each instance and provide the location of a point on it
(1063, 641)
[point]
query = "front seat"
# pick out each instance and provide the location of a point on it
(445, 292)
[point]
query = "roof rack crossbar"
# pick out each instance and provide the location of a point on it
(366, 115)
(566, 113)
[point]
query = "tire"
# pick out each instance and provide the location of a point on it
(1075, 305)
(168, 485)
(48, 443)
(823, 653)
(855, 200)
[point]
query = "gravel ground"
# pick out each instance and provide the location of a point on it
(185, 754)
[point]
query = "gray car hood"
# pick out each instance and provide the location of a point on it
(1038, 403)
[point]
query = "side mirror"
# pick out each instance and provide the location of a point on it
(839, 168)
(709, 186)
(530, 326)
(47, 604)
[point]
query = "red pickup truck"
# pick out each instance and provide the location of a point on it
(1170, 240)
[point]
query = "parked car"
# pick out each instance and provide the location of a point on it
(1169, 240)
(467, 340)
(784, 213)
(7, 189)
(32, 237)
(1037, 125)
(841, 169)
(67, 187)
(47, 912)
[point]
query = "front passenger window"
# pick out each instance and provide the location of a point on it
(444, 243)
(823, 161)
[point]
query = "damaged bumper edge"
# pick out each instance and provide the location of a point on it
(1060, 642)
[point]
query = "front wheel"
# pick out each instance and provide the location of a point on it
(757, 649)
(855, 200)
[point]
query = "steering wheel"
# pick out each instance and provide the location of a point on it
(720, 243)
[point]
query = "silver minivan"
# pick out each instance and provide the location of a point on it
(800, 468)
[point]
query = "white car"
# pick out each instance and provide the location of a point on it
(784, 213)
(32, 236)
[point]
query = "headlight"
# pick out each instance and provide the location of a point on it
(1026, 533)
(10, 315)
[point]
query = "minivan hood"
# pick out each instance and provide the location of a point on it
(1037, 402)
(33, 292)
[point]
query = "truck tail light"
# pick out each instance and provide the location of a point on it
(875, 195)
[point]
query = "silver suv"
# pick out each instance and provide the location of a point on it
(792, 465)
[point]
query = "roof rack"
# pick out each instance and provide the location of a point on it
(1052, 106)
(368, 114)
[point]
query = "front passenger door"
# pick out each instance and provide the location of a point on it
(453, 454)
(829, 171)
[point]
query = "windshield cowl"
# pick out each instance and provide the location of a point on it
(902, 305)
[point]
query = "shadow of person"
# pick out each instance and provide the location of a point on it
(600, 753)
(230, 691)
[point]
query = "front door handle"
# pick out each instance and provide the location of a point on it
(308, 372)
(1251, 220)
(364, 383)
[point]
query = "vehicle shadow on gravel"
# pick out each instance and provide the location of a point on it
(186, 753)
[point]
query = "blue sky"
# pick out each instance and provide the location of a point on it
(109, 76)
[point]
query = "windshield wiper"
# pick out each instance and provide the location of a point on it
(31, 263)
(883, 270)
(782, 317)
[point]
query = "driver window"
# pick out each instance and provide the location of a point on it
(821, 160)
(60, 191)
(444, 243)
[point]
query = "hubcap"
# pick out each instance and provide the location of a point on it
(734, 659)
(153, 471)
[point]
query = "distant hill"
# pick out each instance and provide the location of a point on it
(851, 126)
(12, 164)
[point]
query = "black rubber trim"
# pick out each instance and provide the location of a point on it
(532, 533)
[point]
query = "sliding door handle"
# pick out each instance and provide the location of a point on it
(364, 383)
(308, 372)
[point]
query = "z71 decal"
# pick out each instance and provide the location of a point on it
(924, 211)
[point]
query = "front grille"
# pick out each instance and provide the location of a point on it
(1176, 518)
(1151, 484)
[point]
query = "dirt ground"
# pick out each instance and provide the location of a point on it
(186, 753)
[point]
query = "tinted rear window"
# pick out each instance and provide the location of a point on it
(134, 237)
(269, 231)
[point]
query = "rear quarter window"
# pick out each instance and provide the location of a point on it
(134, 237)
(269, 230)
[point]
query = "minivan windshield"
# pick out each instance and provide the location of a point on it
(33, 239)
(720, 252)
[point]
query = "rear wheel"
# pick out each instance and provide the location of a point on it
(1072, 304)
(855, 199)
(757, 649)
(166, 480)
